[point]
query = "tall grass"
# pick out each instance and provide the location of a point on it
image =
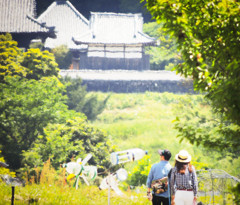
(145, 120)
(141, 120)
(53, 188)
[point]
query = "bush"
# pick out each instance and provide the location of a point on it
(80, 101)
(72, 139)
(165, 56)
(140, 172)
(63, 56)
(5, 170)
(236, 192)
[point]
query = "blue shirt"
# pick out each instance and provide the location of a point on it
(158, 171)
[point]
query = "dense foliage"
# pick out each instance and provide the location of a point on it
(63, 56)
(165, 55)
(80, 101)
(31, 98)
(39, 64)
(236, 191)
(27, 106)
(69, 140)
(208, 36)
(139, 173)
(9, 58)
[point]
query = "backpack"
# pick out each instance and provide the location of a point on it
(160, 185)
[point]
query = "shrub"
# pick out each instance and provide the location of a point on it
(63, 56)
(140, 172)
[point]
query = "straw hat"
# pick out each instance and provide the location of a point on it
(183, 156)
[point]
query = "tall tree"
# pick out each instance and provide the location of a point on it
(165, 55)
(63, 56)
(31, 98)
(208, 36)
(81, 101)
(39, 64)
(26, 107)
(72, 139)
(10, 58)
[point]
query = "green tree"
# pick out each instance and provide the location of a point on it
(39, 64)
(208, 35)
(139, 174)
(72, 139)
(200, 126)
(236, 192)
(26, 107)
(31, 98)
(81, 101)
(63, 56)
(10, 58)
(165, 55)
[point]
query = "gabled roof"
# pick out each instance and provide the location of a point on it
(68, 22)
(17, 16)
(114, 28)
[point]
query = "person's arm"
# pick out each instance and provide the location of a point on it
(149, 181)
(195, 185)
(172, 186)
(173, 200)
(172, 182)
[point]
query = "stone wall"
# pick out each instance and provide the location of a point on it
(138, 86)
(126, 81)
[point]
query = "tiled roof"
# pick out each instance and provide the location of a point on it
(17, 16)
(114, 28)
(68, 22)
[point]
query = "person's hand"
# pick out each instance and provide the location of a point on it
(195, 200)
(173, 200)
(149, 195)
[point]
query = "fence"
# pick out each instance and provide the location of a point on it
(214, 186)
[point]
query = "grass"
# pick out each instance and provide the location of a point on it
(52, 194)
(51, 187)
(141, 120)
(145, 120)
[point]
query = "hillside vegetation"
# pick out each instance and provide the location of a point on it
(146, 121)
(143, 120)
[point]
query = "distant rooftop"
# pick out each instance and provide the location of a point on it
(68, 22)
(114, 28)
(18, 16)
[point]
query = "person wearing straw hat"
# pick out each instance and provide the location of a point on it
(158, 180)
(183, 180)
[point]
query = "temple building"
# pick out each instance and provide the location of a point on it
(18, 18)
(115, 41)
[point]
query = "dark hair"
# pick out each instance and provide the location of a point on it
(182, 166)
(166, 153)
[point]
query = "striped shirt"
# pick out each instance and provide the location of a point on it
(183, 181)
